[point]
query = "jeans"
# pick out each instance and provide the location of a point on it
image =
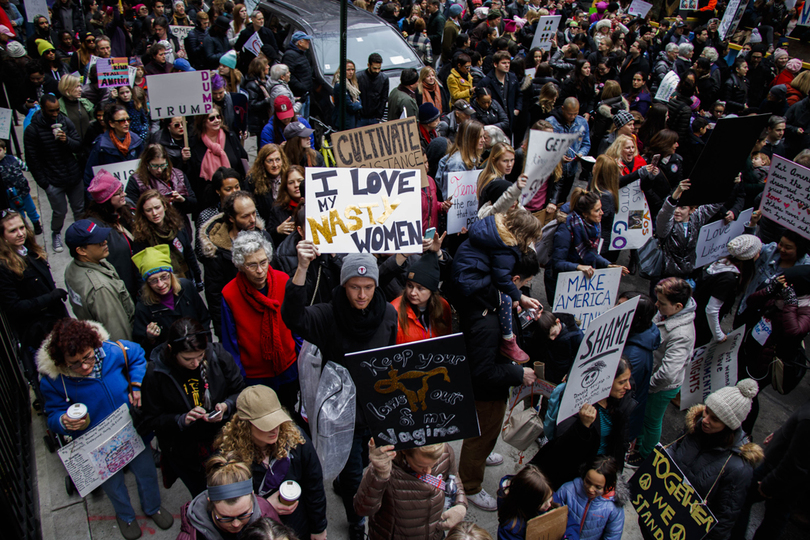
(653, 418)
(59, 197)
(352, 473)
(474, 451)
(29, 209)
(367, 122)
(143, 467)
(305, 107)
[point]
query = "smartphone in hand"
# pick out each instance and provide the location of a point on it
(430, 233)
(214, 415)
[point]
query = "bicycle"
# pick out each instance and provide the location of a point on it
(323, 131)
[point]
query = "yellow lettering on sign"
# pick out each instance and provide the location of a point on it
(369, 207)
(322, 228)
(358, 223)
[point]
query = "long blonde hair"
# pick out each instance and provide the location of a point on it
(466, 143)
(614, 151)
(235, 437)
(491, 171)
(606, 177)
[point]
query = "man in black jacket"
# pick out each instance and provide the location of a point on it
(49, 152)
(194, 41)
(435, 25)
(302, 77)
(68, 16)
(374, 87)
(215, 44)
(504, 86)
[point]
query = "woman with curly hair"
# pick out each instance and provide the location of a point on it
(290, 194)
(189, 390)
(262, 435)
(264, 178)
(157, 222)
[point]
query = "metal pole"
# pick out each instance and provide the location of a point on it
(341, 98)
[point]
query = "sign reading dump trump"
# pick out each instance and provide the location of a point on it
(364, 210)
(180, 94)
(417, 393)
(584, 298)
(786, 198)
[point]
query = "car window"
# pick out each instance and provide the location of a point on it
(395, 52)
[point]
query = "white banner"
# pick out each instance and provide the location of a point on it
(180, 94)
(591, 376)
(546, 31)
(122, 171)
(364, 210)
(586, 299)
(632, 226)
(713, 366)
(544, 152)
(639, 8)
(94, 457)
(667, 87)
(253, 44)
(5, 125)
(714, 237)
(464, 212)
(786, 198)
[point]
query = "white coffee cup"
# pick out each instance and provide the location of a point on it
(57, 128)
(289, 492)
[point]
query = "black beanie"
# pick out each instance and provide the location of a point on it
(425, 271)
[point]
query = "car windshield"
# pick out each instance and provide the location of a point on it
(395, 53)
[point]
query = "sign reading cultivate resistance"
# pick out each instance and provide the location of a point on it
(416, 393)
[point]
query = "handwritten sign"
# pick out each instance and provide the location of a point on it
(364, 210)
(550, 525)
(786, 199)
(546, 31)
(667, 87)
(416, 394)
(667, 504)
(731, 18)
(544, 152)
(632, 226)
(586, 299)
(713, 238)
(464, 212)
(639, 8)
(180, 94)
(713, 366)
(389, 145)
(121, 171)
(34, 9)
(101, 452)
(5, 123)
(112, 72)
(594, 368)
(181, 33)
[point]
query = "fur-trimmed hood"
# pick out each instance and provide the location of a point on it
(214, 235)
(748, 451)
(46, 364)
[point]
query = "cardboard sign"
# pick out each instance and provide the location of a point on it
(464, 212)
(5, 123)
(639, 8)
(389, 145)
(786, 199)
(712, 178)
(586, 299)
(632, 226)
(667, 504)
(731, 18)
(180, 94)
(714, 237)
(112, 72)
(546, 31)
(549, 526)
(101, 452)
(417, 393)
(364, 210)
(713, 366)
(591, 376)
(667, 87)
(253, 44)
(544, 152)
(34, 9)
(121, 171)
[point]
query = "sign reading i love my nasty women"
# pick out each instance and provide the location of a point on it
(364, 210)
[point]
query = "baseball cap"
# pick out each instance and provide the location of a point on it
(297, 129)
(298, 36)
(283, 108)
(4, 30)
(84, 232)
(259, 405)
(464, 107)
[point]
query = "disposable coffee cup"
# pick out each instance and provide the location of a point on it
(289, 492)
(77, 411)
(56, 129)
(540, 370)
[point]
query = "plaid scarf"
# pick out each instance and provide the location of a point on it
(586, 235)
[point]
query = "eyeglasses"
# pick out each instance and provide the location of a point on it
(91, 40)
(158, 166)
(88, 360)
(122, 120)
(214, 118)
(243, 517)
(159, 278)
(253, 267)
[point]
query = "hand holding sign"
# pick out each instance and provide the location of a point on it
(587, 414)
(381, 458)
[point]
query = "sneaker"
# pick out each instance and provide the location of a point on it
(357, 531)
(494, 459)
(484, 501)
(37, 228)
(58, 247)
(634, 460)
(162, 518)
(510, 349)
(130, 531)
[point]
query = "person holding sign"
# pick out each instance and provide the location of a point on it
(521, 497)
(117, 145)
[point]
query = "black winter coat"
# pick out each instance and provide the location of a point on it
(76, 15)
(51, 161)
(373, 94)
(323, 274)
(278, 215)
(214, 46)
(186, 304)
(301, 75)
(233, 149)
(785, 463)
(586, 94)
(494, 116)
(735, 93)
(259, 103)
(680, 116)
(269, 46)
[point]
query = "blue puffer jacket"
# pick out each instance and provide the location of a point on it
(61, 388)
(104, 153)
(639, 351)
(599, 519)
(484, 259)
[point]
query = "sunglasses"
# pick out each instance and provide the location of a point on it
(176, 125)
(122, 120)
(214, 118)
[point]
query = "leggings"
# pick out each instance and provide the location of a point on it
(505, 316)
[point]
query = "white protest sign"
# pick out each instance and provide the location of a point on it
(713, 366)
(639, 8)
(464, 212)
(180, 94)
(546, 31)
(586, 299)
(667, 87)
(713, 238)
(5, 123)
(253, 44)
(364, 210)
(594, 368)
(35, 8)
(786, 198)
(181, 33)
(94, 457)
(632, 226)
(544, 152)
(132, 73)
(731, 18)
(121, 171)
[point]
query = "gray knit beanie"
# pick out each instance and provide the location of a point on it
(359, 265)
(745, 247)
(733, 403)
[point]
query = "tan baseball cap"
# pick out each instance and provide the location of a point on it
(259, 405)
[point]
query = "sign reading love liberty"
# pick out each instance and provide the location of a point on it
(713, 238)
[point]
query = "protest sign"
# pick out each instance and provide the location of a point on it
(688, 5)
(667, 87)
(586, 299)
(632, 225)
(639, 8)
(546, 31)
(544, 152)
(713, 366)
(121, 171)
(712, 178)
(786, 199)
(253, 44)
(112, 72)
(667, 504)
(181, 33)
(731, 18)
(804, 16)
(538, 388)
(464, 212)
(132, 72)
(714, 237)
(5, 123)
(94, 457)
(416, 394)
(591, 376)
(180, 94)
(364, 210)
(548, 526)
(33, 9)
(389, 145)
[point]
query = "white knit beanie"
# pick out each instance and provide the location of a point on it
(733, 403)
(745, 247)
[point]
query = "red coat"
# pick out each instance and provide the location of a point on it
(415, 331)
(638, 162)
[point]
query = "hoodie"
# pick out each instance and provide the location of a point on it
(677, 344)
(196, 520)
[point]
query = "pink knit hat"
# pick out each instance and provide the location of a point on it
(794, 65)
(103, 186)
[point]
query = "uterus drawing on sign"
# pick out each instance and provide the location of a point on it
(415, 398)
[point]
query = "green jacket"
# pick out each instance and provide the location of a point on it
(398, 100)
(98, 294)
(88, 106)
